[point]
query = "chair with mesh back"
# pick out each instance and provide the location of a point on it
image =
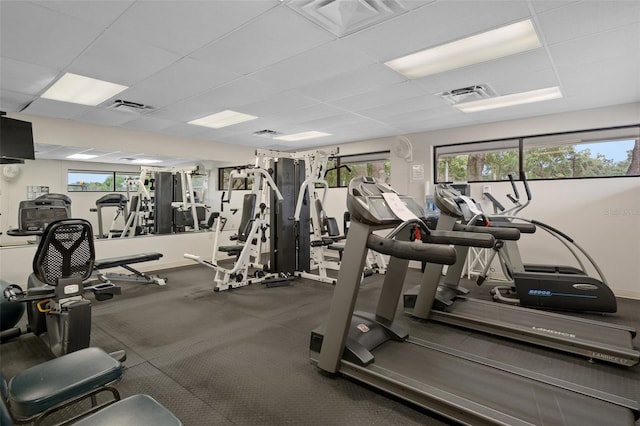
(57, 309)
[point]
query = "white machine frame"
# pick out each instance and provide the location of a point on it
(250, 255)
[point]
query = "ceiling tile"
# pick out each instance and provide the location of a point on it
(264, 41)
(313, 65)
(182, 130)
(33, 34)
(150, 124)
(289, 100)
(597, 78)
(13, 101)
(540, 6)
(121, 60)
(49, 108)
(180, 80)
(362, 80)
(25, 78)
(587, 17)
(192, 24)
(101, 12)
(302, 115)
(604, 45)
(384, 96)
(405, 106)
(106, 117)
(327, 124)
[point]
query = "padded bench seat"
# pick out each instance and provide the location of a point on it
(138, 410)
(114, 262)
(231, 250)
(60, 380)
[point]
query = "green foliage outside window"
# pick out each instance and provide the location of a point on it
(598, 153)
(99, 181)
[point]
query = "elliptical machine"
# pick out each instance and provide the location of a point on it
(553, 287)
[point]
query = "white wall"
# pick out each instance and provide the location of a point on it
(15, 262)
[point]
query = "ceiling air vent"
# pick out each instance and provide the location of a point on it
(130, 107)
(269, 134)
(468, 94)
(342, 17)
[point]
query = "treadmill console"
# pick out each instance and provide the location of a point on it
(35, 216)
(366, 203)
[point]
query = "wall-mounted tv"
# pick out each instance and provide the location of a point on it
(16, 140)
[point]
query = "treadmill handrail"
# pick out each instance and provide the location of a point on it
(410, 250)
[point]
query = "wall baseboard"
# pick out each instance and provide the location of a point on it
(627, 294)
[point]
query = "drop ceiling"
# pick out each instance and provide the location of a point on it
(302, 65)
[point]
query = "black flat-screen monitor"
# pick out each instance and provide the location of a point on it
(16, 140)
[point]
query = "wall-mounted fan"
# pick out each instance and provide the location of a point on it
(402, 148)
(10, 172)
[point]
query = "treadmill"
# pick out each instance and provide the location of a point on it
(466, 388)
(446, 302)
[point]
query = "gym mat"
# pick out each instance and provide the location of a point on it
(240, 357)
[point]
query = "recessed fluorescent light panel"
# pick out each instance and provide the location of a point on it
(494, 44)
(223, 119)
(82, 90)
(81, 156)
(511, 100)
(302, 136)
(146, 161)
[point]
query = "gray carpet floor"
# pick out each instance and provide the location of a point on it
(240, 357)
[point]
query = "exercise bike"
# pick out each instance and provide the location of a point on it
(56, 307)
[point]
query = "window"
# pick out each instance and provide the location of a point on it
(90, 181)
(344, 168)
(582, 154)
(98, 181)
(485, 161)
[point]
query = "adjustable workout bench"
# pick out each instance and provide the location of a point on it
(125, 262)
(40, 391)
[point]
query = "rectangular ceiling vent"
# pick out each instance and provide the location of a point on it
(468, 94)
(269, 134)
(343, 17)
(130, 107)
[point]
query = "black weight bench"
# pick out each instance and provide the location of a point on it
(125, 262)
(40, 391)
(244, 228)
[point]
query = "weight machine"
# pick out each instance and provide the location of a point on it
(164, 202)
(324, 229)
(248, 267)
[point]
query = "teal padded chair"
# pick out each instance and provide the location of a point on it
(37, 392)
(47, 387)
